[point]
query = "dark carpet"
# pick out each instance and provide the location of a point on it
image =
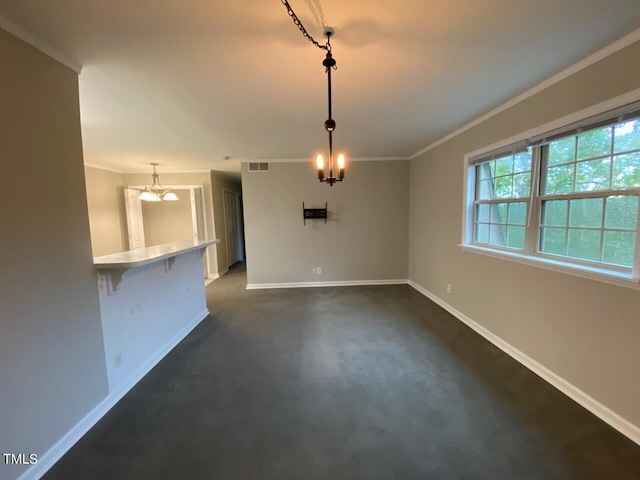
(343, 383)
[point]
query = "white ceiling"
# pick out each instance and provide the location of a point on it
(186, 83)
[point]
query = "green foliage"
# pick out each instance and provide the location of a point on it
(516, 237)
(594, 143)
(562, 151)
(586, 212)
(584, 244)
(517, 213)
(619, 248)
(554, 212)
(554, 241)
(622, 212)
(559, 179)
(593, 175)
(626, 136)
(626, 170)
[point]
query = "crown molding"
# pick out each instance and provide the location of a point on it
(100, 167)
(309, 159)
(19, 32)
(558, 77)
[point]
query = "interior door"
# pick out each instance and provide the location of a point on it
(230, 216)
(135, 225)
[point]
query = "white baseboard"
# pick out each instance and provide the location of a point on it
(48, 459)
(348, 283)
(213, 276)
(624, 426)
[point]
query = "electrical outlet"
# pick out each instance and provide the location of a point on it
(117, 359)
(449, 288)
(319, 270)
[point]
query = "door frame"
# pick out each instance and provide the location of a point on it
(238, 225)
(194, 213)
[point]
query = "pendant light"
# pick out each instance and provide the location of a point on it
(329, 125)
(156, 192)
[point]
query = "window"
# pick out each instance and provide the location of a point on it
(569, 196)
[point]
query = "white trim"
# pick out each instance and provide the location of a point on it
(558, 77)
(592, 273)
(310, 160)
(607, 415)
(99, 167)
(343, 283)
(213, 276)
(223, 272)
(19, 32)
(62, 446)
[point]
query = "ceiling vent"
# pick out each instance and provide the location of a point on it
(258, 167)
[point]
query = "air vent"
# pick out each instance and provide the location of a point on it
(258, 167)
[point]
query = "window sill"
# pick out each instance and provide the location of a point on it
(593, 273)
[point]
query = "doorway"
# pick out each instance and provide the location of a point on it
(233, 226)
(156, 223)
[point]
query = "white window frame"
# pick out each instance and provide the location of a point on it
(604, 273)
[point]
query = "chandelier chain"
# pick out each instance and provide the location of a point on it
(298, 24)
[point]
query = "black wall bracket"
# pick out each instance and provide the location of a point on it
(314, 213)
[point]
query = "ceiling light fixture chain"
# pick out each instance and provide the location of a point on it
(298, 24)
(330, 124)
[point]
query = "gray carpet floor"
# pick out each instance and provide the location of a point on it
(371, 382)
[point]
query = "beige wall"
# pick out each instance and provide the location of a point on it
(107, 217)
(219, 184)
(366, 237)
(585, 331)
(203, 179)
(52, 368)
(166, 222)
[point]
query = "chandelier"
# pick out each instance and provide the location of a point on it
(329, 125)
(156, 192)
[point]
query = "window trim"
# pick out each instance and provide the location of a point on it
(604, 273)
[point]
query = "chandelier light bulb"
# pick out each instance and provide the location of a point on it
(341, 161)
(319, 162)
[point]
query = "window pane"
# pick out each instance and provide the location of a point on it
(593, 175)
(554, 212)
(499, 213)
(554, 241)
(619, 248)
(485, 190)
(560, 179)
(562, 151)
(594, 143)
(516, 237)
(503, 187)
(584, 244)
(622, 212)
(482, 233)
(504, 166)
(522, 162)
(521, 185)
(517, 213)
(586, 212)
(498, 234)
(482, 213)
(626, 171)
(627, 136)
